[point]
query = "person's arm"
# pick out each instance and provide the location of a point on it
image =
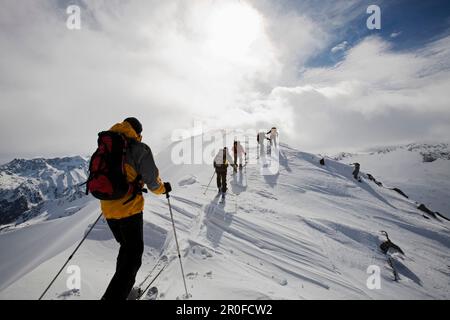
(147, 168)
(230, 159)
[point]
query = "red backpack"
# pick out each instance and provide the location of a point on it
(107, 175)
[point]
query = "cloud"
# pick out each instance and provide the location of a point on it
(395, 34)
(340, 47)
(374, 95)
(230, 64)
(167, 63)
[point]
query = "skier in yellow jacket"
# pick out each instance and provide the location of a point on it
(125, 218)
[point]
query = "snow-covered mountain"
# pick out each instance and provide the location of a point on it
(422, 171)
(29, 187)
(311, 231)
(429, 152)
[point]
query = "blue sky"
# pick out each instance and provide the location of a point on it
(406, 25)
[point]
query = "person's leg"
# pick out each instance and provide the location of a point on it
(224, 181)
(218, 180)
(129, 259)
(114, 226)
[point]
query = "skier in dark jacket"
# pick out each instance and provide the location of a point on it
(221, 161)
(126, 219)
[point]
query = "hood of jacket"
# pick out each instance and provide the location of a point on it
(126, 129)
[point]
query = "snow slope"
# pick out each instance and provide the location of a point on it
(308, 232)
(422, 171)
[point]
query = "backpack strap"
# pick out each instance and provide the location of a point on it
(137, 189)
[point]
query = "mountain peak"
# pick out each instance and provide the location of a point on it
(26, 184)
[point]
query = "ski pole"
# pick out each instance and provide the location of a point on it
(151, 282)
(176, 241)
(70, 257)
(209, 182)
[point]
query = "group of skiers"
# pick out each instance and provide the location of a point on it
(271, 135)
(118, 171)
(223, 159)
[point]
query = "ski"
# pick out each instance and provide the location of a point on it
(152, 294)
(149, 286)
(161, 263)
(161, 260)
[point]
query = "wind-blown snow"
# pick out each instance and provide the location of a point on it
(421, 171)
(309, 232)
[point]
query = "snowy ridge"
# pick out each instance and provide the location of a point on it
(27, 187)
(429, 152)
(308, 232)
(422, 171)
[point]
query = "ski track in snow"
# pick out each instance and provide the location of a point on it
(309, 232)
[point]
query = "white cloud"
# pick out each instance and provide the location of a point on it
(230, 64)
(340, 47)
(373, 96)
(395, 34)
(165, 62)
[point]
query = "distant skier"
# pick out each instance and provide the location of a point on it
(273, 137)
(124, 216)
(221, 161)
(356, 171)
(260, 139)
(238, 152)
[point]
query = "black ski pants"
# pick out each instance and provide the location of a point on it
(129, 233)
(222, 180)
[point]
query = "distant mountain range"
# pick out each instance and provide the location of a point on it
(429, 152)
(27, 185)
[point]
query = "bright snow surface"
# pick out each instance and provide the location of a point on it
(308, 232)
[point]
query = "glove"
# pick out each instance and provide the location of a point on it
(167, 188)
